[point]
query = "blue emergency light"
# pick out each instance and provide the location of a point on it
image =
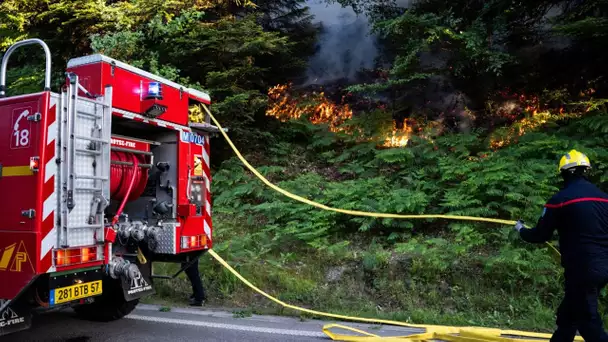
(155, 91)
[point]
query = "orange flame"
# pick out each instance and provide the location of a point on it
(399, 137)
(324, 111)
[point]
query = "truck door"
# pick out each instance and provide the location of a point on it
(19, 142)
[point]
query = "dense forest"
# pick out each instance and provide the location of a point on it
(459, 107)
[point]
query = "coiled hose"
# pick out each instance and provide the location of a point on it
(127, 182)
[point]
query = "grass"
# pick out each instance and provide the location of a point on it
(389, 300)
(462, 295)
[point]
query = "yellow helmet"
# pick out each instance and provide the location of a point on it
(572, 159)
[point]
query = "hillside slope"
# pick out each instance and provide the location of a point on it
(425, 271)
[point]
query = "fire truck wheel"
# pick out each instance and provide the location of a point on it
(110, 306)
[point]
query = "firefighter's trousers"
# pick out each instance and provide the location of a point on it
(579, 308)
(194, 276)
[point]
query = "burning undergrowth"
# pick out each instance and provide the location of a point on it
(507, 117)
(285, 105)
(330, 105)
(522, 113)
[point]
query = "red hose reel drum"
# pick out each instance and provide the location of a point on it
(121, 175)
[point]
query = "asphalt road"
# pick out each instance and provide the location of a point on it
(148, 323)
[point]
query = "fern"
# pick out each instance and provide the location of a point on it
(594, 124)
(454, 174)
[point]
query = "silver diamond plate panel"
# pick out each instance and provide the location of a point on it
(83, 166)
(166, 239)
(87, 120)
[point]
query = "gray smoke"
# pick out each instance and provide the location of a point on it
(345, 45)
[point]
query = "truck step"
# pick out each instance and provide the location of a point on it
(87, 114)
(93, 152)
(87, 226)
(103, 141)
(85, 189)
(101, 178)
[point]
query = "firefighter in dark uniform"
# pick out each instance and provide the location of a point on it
(579, 214)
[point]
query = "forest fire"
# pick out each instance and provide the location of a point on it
(399, 137)
(538, 114)
(518, 113)
(322, 110)
(523, 104)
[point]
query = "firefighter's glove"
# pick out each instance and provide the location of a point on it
(519, 225)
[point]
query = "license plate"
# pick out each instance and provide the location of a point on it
(74, 292)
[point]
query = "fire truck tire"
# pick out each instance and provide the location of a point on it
(110, 306)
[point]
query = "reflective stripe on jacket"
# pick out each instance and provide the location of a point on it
(579, 214)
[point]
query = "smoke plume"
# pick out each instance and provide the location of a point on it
(345, 44)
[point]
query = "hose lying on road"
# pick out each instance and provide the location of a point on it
(432, 332)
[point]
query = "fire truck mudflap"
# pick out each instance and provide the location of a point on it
(101, 180)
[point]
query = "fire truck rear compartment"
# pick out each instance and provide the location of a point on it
(126, 174)
(116, 180)
(152, 195)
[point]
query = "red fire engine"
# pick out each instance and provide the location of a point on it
(99, 182)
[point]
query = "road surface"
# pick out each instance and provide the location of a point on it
(148, 323)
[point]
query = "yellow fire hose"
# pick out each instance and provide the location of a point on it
(432, 332)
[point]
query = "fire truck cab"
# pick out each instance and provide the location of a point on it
(98, 181)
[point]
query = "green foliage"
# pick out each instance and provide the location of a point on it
(226, 47)
(455, 174)
(421, 34)
(475, 49)
(431, 271)
(420, 268)
(585, 20)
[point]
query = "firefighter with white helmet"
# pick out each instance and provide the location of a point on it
(579, 213)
